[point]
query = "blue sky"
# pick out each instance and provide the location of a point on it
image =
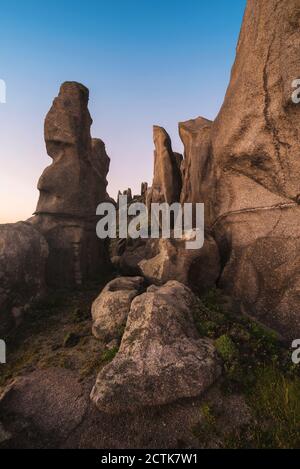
(145, 62)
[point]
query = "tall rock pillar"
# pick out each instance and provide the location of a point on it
(71, 189)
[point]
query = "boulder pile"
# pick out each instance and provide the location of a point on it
(161, 358)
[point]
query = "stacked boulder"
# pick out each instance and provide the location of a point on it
(110, 310)
(161, 260)
(161, 357)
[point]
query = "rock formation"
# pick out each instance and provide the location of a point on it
(255, 137)
(177, 180)
(144, 188)
(71, 189)
(161, 358)
(256, 147)
(245, 167)
(23, 256)
(58, 245)
(49, 403)
(167, 180)
(161, 260)
(198, 181)
(128, 193)
(111, 308)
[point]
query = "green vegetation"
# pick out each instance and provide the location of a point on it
(226, 348)
(258, 366)
(275, 404)
(108, 355)
(57, 332)
(207, 426)
(276, 399)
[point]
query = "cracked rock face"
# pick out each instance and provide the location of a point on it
(255, 145)
(255, 135)
(167, 180)
(161, 357)
(23, 256)
(71, 188)
(111, 308)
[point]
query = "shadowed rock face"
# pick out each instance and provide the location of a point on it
(144, 188)
(167, 181)
(198, 181)
(245, 168)
(161, 260)
(23, 255)
(71, 189)
(256, 147)
(128, 194)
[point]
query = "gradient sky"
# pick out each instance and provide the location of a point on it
(145, 62)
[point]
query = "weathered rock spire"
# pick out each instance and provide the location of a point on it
(71, 189)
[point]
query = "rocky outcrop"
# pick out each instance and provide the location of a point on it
(23, 256)
(75, 182)
(262, 271)
(245, 168)
(128, 194)
(167, 180)
(198, 180)
(111, 308)
(101, 164)
(255, 134)
(51, 409)
(71, 189)
(49, 404)
(256, 148)
(161, 358)
(144, 188)
(161, 260)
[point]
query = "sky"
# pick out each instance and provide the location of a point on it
(146, 62)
